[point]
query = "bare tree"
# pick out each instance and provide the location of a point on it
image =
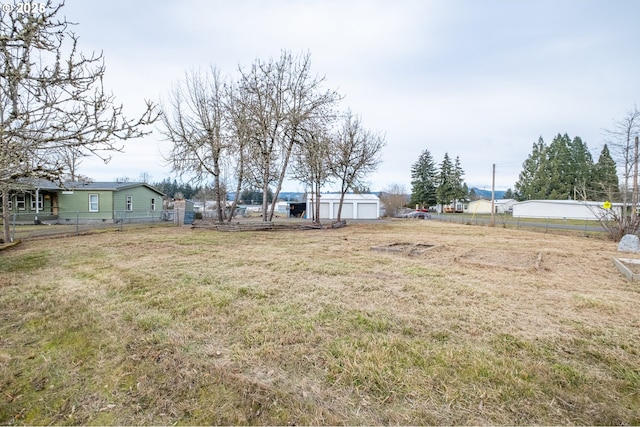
(356, 153)
(394, 198)
(282, 97)
(311, 162)
(624, 142)
(240, 136)
(51, 99)
(71, 159)
(194, 122)
(144, 177)
(612, 217)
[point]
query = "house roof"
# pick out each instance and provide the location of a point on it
(94, 186)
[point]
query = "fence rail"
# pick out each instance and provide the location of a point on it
(31, 225)
(546, 224)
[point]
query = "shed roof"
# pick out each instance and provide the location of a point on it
(348, 196)
(566, 202)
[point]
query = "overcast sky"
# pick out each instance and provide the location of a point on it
(479, 79)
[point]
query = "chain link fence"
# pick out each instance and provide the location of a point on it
(31, 225)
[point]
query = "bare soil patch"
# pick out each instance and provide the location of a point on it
(411, 249)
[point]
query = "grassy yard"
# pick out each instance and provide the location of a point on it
(171, 325)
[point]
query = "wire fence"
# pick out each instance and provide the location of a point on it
(585, 227)
(32, 225)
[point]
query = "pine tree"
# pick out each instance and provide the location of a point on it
(582, 167)
(424, 181)
(529, 185)
(449, 187)
(562, 170)
(559, 171)
(605, 177)
(508, 194)
(461, 189)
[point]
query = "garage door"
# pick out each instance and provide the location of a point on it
(347, 210)
(368, 211)
(324, 210)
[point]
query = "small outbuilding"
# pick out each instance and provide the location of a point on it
(354, 206)
(483, 206)
(504, 205)
(479, 207)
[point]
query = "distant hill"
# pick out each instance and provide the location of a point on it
(486, 194)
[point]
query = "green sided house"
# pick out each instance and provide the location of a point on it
(45, 201)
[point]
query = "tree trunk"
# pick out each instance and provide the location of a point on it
(216, 188)
(342, 193)
(6, 215)
(265, 190)
(234, 205)
(634, 195)
(316, 207)
(283, 173)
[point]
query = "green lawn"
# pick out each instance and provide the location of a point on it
(169, 325)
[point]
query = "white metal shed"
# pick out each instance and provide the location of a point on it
(559, 209)
(355, 206)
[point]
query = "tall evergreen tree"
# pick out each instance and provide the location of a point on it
(582, 167)
(447, 191)
(508, 194)
(424, 181)
(529, 184)
(461, 189)
(559, 169)
(605, 177)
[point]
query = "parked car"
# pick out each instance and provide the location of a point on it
(420, 214)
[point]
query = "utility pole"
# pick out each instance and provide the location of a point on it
(493, 196)
(634, 195)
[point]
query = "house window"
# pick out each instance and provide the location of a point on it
(40, 201)
(153, 204)
(20, 202)
(129, 203)
(93, 203)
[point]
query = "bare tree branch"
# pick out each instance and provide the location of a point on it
(356, 153)
(195, 121)
(52, 99)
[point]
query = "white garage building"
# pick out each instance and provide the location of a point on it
(355, 206)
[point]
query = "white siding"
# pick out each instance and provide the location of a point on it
(325, 208)
(481, 206)
(558, 209)
(355, 206)
(347, 210)
(368, 211)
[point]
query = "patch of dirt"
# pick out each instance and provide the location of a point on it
(507, 259)
(411, 249)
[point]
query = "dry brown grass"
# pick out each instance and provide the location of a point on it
(172, 325)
